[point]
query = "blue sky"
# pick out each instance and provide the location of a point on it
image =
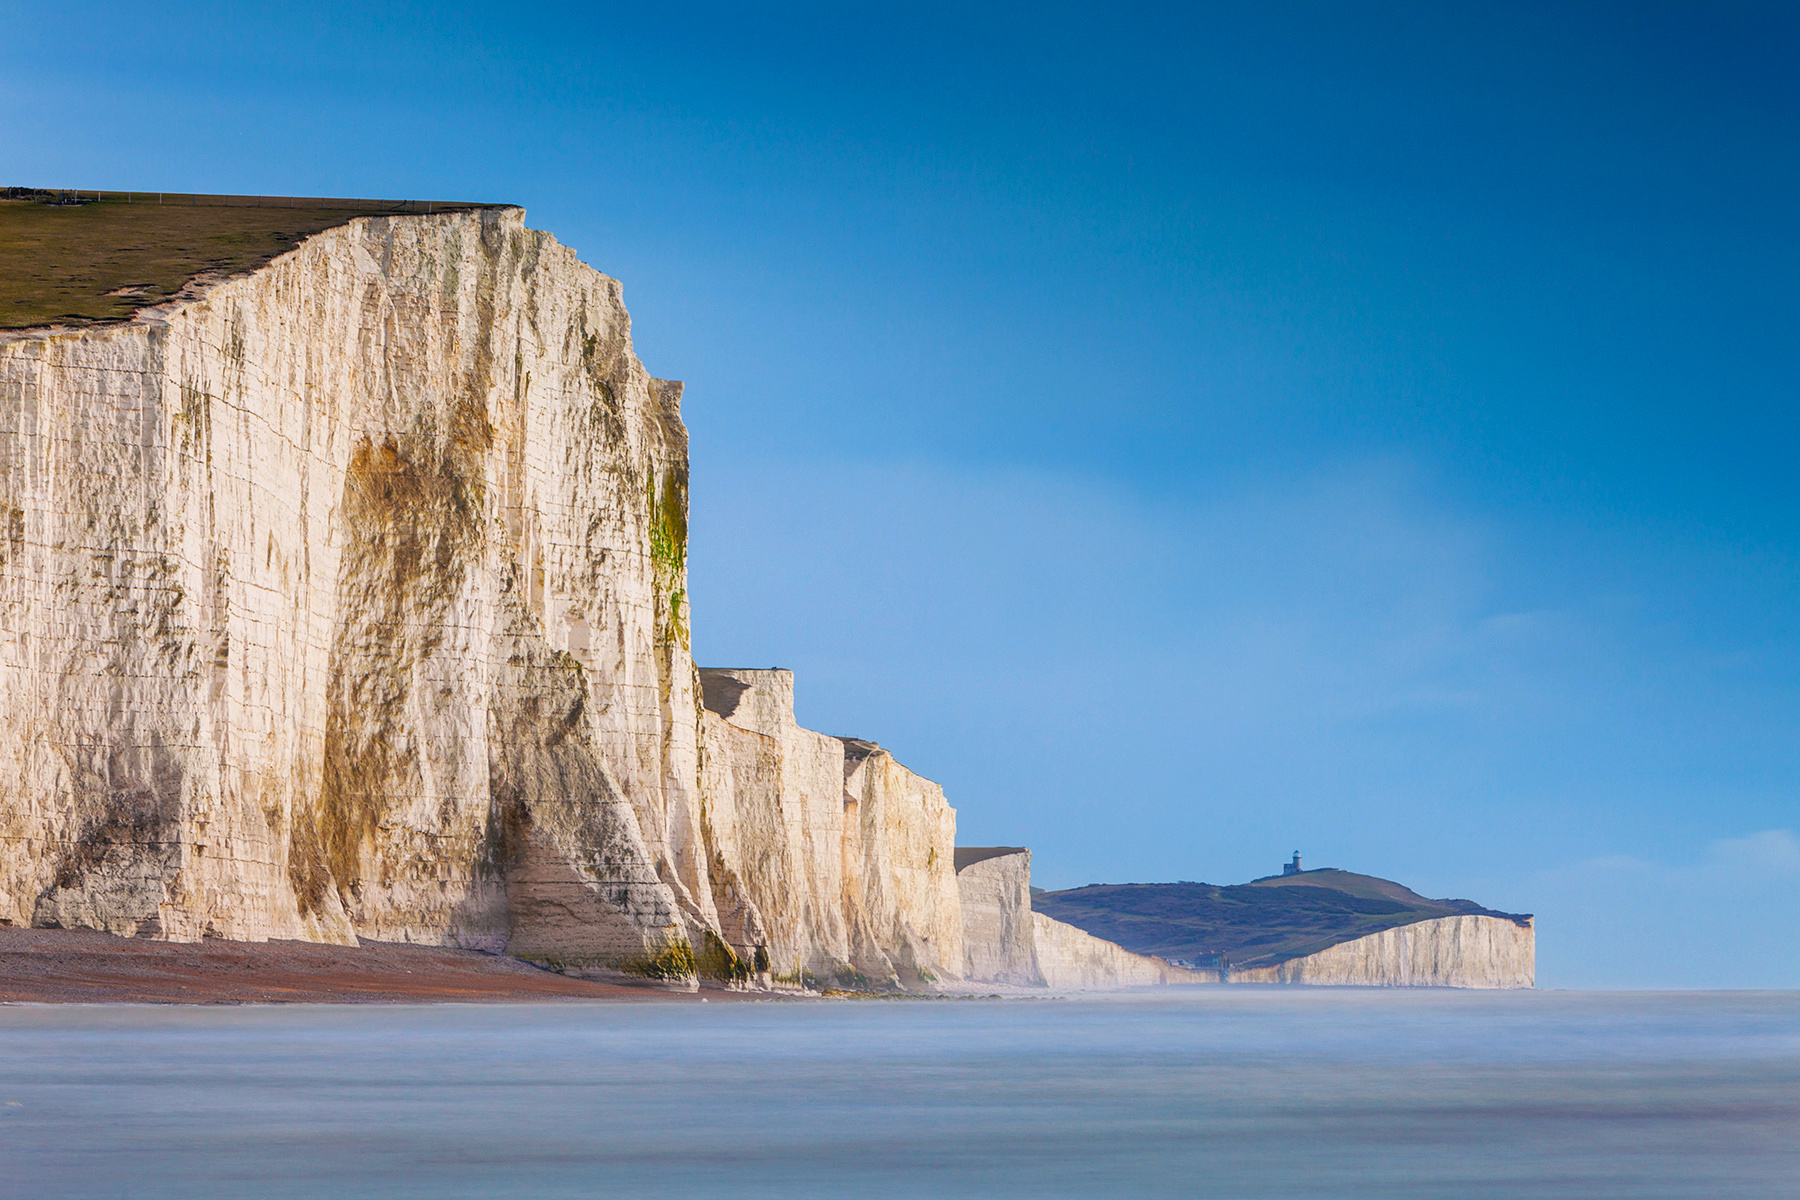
(1188, 434)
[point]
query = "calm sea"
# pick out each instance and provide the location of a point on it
(1218, 1092)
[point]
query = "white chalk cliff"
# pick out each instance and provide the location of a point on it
(1004, 941)
(1463, 951)
(847, 854)
(348, 598)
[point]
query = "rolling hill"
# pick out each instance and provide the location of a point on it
(1255, 924)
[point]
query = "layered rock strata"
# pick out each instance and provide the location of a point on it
(1463, 952)
(347, 598)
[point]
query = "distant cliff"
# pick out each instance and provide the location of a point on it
(1319, 926)
(1006, 941)
(1465, 952)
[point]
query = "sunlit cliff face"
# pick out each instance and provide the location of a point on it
(347, 598)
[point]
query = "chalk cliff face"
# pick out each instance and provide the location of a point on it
(1074, 959)
(848, 856)
(348, 598)
(995, 887)
(1467, 952)
(1004, 941)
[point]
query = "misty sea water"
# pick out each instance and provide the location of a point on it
(1240, 1091)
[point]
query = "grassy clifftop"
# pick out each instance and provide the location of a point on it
(1255, 924)
(88, 258)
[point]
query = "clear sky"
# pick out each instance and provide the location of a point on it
(1187, 433)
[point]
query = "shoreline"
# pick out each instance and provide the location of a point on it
(80, 966)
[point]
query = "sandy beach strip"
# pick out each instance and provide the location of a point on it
(78, 966)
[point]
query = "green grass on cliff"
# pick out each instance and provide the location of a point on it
(1256, 924)
(89, 258)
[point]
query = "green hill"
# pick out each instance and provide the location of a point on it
(1256, 924)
